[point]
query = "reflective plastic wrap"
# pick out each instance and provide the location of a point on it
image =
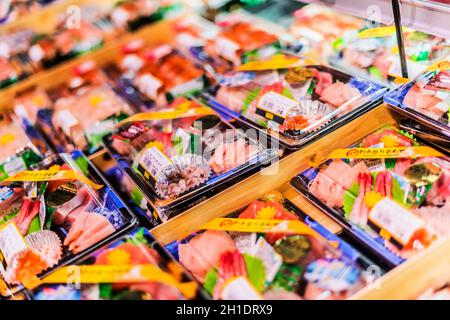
(53, 215)
(182, 154)
(295, 105)
(391, 191)
(272, 250)
(426, 99)
(162, 278)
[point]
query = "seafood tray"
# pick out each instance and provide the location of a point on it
(317, 27)
(390, 190)
(77, 114)
(271, 250)
(184, 159)
(237, 42)
(33, 46)
(152, 76)
(55, 216)
(297, 105)
(13, 10)
(21, 144)
(426, 99)
(169, 280)
(133, 14)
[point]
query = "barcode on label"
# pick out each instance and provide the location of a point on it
(154, 161)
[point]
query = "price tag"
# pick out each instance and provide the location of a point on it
(152, 162)
(227, 48)
(395, 221)
(149, 85)
(275, 107)
(11, 242)
(67, 120)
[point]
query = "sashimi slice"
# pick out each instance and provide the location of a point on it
(203, 251)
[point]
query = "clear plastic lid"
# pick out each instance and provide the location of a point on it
(151, 76)
(54, 215)
(165, 278)
(80, 120)
(390, 190)
(427, 98)
(295, 105)
(21, 145)
(267, 251)
(183, 150)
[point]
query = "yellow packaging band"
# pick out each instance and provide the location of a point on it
(380, 32)
(400, 80)
(94, 274)
(51, 175)
(441, 65)
(263, 226)
(276, 62)
(381, 153)
(181, 111)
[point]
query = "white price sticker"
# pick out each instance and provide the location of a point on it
(149, 85)
(67, 120)
(14, 166)
(240, 289)
(395, 219)
(154, 161)
(273, 103)
(227, 48)
(11, 241)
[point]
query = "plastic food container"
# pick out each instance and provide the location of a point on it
(180, 155)
(21, 145)
(271, 250)
(426, 99)
(134, 14)
(149, 76)
(238, 41)
(55, 216)
(163, 278)
(295, 105)
(80, 120)
(389, 190)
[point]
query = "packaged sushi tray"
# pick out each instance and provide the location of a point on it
(12, 10)
(28, 50)
(236, 42)
(426, 99)
(293, 104)
(152, 75)
(372, 53)
(53, 215)
(182, 154)
(317, 27)
(77, 114)
(390, 190)
(21, 144)
(272, 250)
(134, 14)
(135, 267)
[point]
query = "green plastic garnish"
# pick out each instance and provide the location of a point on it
(35, 225)
(256, 272)
(210, 281)
(349, 199)
(105, 291)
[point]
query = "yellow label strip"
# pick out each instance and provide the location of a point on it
(276, 62)
(93, 274)
(263, 226)
(379, 153)
(51, 175)
(181, 111)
